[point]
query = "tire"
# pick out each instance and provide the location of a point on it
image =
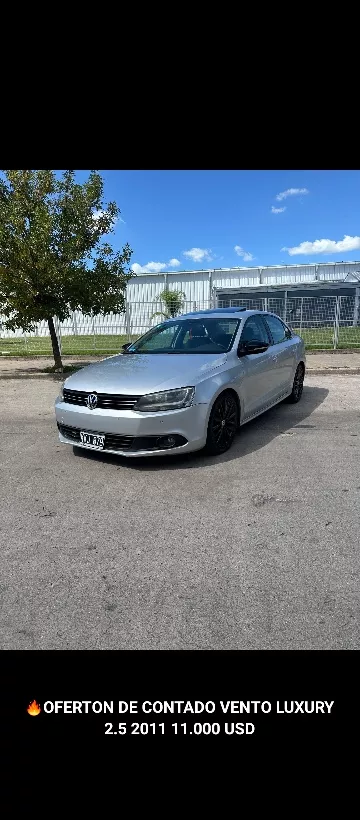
(298, 384)
(223, 424)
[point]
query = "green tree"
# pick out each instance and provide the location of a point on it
(173, 301)
(52, 257)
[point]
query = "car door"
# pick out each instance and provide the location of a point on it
(283, 353)
(258, 381)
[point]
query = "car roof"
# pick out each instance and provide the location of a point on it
(236, 312)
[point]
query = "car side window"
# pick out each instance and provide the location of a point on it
(278, 331)
(164, 338)
(254, 330)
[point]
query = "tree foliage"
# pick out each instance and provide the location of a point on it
(52, 257)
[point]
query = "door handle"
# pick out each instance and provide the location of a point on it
(274, 358)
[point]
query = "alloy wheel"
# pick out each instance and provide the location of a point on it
(223, 424)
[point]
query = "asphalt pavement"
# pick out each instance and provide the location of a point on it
(257, 549)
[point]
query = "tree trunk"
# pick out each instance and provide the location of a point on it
(55, 345)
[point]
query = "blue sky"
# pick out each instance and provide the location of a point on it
(188, 220)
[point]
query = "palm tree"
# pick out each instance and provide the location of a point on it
(173, 301)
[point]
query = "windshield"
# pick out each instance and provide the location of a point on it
(188, 336)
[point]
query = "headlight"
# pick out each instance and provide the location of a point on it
(167, 400)
(61, 394)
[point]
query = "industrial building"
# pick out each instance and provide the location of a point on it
(304, 294)
(308, 296)
(226, 284)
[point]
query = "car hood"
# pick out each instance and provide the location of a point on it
(137, 374)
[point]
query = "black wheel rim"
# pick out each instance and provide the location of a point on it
(298, 383)
(224, 422)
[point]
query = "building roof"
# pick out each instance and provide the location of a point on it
(253, 268)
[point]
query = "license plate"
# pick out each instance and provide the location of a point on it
(92, 440)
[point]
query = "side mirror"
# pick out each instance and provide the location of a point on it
(246, 348)
(125, 347)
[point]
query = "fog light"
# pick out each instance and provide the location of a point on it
(166, 441)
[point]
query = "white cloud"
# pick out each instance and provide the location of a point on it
(150, 267)
(277, 210)
(154, 267)
(97, 214)
(349, 243)
(199, 254)
(291, 192)
(247, 257)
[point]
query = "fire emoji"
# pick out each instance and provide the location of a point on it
(33, 709)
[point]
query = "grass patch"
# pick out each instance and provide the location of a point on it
(322, 338)
(106, 345)
(102, 345)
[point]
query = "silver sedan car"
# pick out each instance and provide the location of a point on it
(188, 383)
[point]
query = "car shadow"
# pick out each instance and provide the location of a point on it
(43, 372)
(282, 419)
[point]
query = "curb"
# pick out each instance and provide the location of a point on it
(333, 371)
(59, 377)
(56, 377)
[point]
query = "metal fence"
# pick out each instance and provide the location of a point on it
(97, 335)
(325, 322)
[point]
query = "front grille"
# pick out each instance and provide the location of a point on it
(112, 442)
(116, 442)
(108, 401)
(69, 432)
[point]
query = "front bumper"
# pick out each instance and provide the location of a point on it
(190, 423)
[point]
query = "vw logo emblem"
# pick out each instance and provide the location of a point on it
(91, 401)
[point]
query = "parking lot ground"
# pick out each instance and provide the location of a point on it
(257, 549)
